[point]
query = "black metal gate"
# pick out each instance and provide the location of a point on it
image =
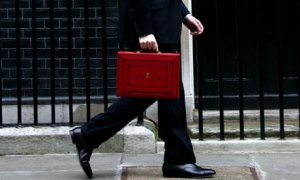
(248, 57)
(57, 52)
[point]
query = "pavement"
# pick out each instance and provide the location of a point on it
(109, 166)
(134, 153)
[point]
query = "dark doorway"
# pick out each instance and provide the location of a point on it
(250, 48)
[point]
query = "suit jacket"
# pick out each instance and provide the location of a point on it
(162, 18)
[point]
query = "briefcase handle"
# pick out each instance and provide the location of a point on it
(156, 51)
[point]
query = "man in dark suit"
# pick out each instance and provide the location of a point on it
(150, 25)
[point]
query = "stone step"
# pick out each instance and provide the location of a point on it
(252, 127)
(56, 140)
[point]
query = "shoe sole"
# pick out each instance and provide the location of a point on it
(182, 176)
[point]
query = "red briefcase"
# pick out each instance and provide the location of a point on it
(148, 75)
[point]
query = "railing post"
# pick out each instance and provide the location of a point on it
(87, 60)
(199, 83)
(298, 83)
(70, 60)
(220, 73)
(260, 67)
(240, 70)
(104, 54)
(200, 87)
(140, 120)
(1, 115)
(18, 62)
(34, 63)
(280, 70)
(52, 60)
(298, 45)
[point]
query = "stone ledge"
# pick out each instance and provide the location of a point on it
(132, 139)
(243, 146)
(56, 140)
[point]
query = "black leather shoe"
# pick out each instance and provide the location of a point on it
(186, 171)
(83, 150)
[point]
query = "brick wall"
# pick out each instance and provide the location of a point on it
(8, 48)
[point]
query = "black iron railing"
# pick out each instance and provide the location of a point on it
(212, 13)
(16, 13)
(229, 25)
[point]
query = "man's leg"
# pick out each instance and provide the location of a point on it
(173, 130)
(103, 126)
(179, 160)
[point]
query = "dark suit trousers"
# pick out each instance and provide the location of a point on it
(171, 124)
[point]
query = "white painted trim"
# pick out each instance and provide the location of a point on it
(187, 67)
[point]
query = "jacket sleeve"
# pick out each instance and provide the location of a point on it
(142, 17)
(184, 10)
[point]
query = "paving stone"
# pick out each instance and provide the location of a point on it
(223, 173)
